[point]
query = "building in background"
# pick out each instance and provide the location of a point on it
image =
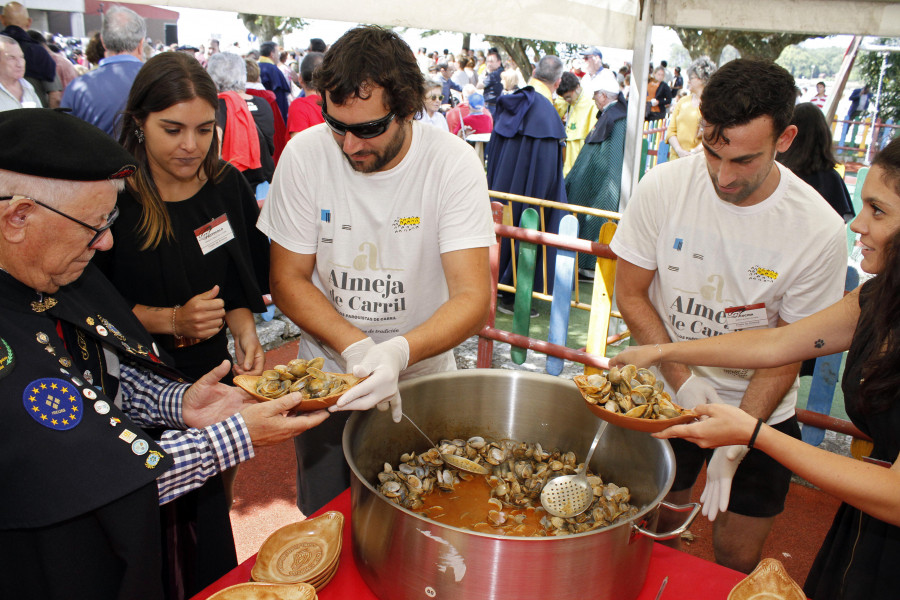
(77, 18)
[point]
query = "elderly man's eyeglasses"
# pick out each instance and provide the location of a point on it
(98, 231)
(434, 97)
(361, 130)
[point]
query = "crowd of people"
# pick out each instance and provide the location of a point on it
(374, 239)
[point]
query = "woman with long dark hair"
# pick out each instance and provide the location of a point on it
(811, 158)
(859, 557)
(190, 260)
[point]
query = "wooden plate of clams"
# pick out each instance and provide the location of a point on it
(319, 389)
(631, 398)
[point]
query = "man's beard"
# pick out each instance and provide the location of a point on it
(382, 158)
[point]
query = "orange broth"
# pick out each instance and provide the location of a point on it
(467, 507)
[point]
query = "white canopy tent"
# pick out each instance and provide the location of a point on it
(611, 23)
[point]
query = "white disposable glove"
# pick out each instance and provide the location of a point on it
(695, 391)
(382, 363)
(719, 473)
(356, 352)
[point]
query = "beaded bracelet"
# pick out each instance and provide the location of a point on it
(175, 310)
(759, 423)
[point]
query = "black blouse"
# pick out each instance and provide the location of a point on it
(177, 269)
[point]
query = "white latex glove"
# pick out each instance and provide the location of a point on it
(356, 352)
(382, 363)
(694, 391)
(719, 473)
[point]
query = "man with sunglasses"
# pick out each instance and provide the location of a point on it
(98, 434)
(380, 229)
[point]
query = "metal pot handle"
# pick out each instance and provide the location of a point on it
(694, 507)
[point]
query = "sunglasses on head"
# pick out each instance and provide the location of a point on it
(361, 130)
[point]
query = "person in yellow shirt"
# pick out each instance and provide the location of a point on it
(580, 117)
(683, 133)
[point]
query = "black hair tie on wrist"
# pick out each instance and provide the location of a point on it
(759, 423)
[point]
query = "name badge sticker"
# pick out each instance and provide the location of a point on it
(746, 317)
(214, 234)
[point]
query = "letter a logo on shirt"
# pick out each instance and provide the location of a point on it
(326, 216)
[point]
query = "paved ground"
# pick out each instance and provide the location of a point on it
(265, 492)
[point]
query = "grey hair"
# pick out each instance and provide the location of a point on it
(8, 40)
(228, 72)
(123, 30)
(430, 84)
(549, 69)
(52, 191)
(702, 68)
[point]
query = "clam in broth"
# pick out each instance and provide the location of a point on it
(305, 377)
(507, 500)
(631, 392)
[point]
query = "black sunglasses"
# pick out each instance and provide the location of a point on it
(98, 231)
(361, 130)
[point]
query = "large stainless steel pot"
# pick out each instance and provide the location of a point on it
(402, 555)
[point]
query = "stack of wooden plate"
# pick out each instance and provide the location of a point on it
(267, 591)
(304, 552)
(768, 581)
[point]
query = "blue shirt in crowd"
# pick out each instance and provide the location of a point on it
(99, 96)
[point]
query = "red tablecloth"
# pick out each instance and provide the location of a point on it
(687, 574)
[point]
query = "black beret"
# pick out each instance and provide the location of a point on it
(49, 143)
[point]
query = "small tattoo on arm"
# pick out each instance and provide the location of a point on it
(156, 308)
(819, 343)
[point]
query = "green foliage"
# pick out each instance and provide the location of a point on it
(527, 52)
(811, 63)
(524, 52)
(869, 64)
(750, 44)
(267, 27)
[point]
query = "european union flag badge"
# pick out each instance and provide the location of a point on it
(54, 403)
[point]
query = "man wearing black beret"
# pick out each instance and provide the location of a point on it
(81, 381)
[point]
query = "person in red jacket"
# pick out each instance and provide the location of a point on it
(478, 118)
(306, 111)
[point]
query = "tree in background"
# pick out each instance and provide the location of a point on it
(523, 51)
(750, 44)
(813, 63)
(267, 27)
(869, 64)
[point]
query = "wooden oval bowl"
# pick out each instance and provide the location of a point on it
(248, 384)
(267, 591)
(620, 420)
(300, 552)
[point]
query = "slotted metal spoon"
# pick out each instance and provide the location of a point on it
(570, 495)
(458, 462)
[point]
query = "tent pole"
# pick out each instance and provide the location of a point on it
(643, 27)
(841, 78)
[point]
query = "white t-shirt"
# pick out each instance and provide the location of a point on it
(8, 100)
(788, 252)
(437, 120)
(378, 237)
